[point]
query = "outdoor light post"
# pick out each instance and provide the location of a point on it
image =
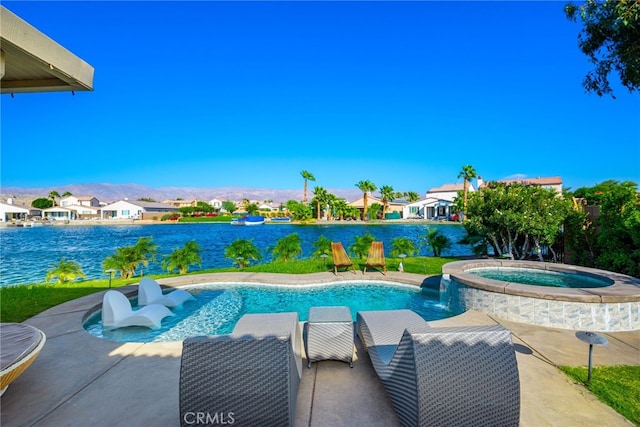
(592, 339)
(110, 272)
(402, 257)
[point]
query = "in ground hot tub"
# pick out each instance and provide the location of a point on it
(545, 294)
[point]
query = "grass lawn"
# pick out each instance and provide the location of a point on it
(18, 303)
(617, 386)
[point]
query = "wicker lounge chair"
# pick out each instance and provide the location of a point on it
(375, 258)
(340, 258)
(149, 292)
(117, 312)
(251, 375)
(20, 344)
(453, 376)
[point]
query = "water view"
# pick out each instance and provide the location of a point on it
(27, 253)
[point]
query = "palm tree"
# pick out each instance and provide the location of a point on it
(411, 196)
(53, 195)
(387, 194)
(67, 194)
(437, 241)
(402, 245)
(286, 248)
(340, 207)
(242, 251)
(321, 196)
(366, 186)
(181, 258)
(467, 173)
(145, 250)
(362, 244)
(65, 271)
(307, 176)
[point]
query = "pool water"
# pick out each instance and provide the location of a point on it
(217, 307)
(531, 276)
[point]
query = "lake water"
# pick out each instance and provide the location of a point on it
(26, 254)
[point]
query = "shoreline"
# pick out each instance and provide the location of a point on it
(108, 222)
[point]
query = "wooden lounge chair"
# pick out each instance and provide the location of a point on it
(375, 258)
(340, 258)
(21, 344)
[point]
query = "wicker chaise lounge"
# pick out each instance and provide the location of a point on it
(20, 344)
(453, 376)
(247, 378)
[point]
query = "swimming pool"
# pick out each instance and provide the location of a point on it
(217, 307)
(531, 276)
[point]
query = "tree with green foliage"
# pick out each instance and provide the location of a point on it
(436, 241)
(287, 248)
(366, 187)
(411, 196)
(146, 199)
(181, 258)
(610, 241)
(375, 210)
(403, 245)
(128, 258)
(42, 203)
(52, 195)
(517, 219)
(610, 39)
(387, 194)
(307, 176)
(340, 208)
(323, 247)
(252, 208)
(321, 197)
(360, 247)
(67, 194)
(299, 211)
(242, 252)
(229, 206)
(65, 271)
(467, 174)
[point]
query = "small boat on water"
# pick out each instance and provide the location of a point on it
(248, 220)
(281, 219)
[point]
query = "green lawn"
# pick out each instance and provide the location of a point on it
(617, 386)
(18, 303)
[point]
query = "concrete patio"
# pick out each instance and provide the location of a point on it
(79, 379)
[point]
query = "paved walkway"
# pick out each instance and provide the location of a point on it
(82, 380)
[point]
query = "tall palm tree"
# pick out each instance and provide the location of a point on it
(411, 196)
(366, 186)
(53, 196)
(467, 173)
(387, 194)
(321, 197)
(307, 176)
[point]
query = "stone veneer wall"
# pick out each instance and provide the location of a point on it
(604, 317)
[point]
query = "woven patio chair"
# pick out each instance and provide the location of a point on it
(247, 378)
(340, 258)
(450, 376)
(20, 344)
(375, 258)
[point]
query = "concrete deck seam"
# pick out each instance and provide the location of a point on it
(541, 356)
(618, 340)
(313, 393)
(81, 389)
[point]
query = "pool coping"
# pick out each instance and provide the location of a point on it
(624, 288)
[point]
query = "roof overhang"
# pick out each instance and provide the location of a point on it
(32, 62)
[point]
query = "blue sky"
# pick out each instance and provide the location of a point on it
(213, 94)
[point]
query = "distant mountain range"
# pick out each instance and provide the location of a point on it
(106, 192)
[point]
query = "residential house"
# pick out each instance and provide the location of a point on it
(85, 212)
(216, 204)
(58, 213)
(79, 201)
(438, 201)
(127, 209)
(392, 206)
(553, 182)
(182, 203)
(10, 212)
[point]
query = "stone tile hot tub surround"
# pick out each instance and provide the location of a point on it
(611, 308)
